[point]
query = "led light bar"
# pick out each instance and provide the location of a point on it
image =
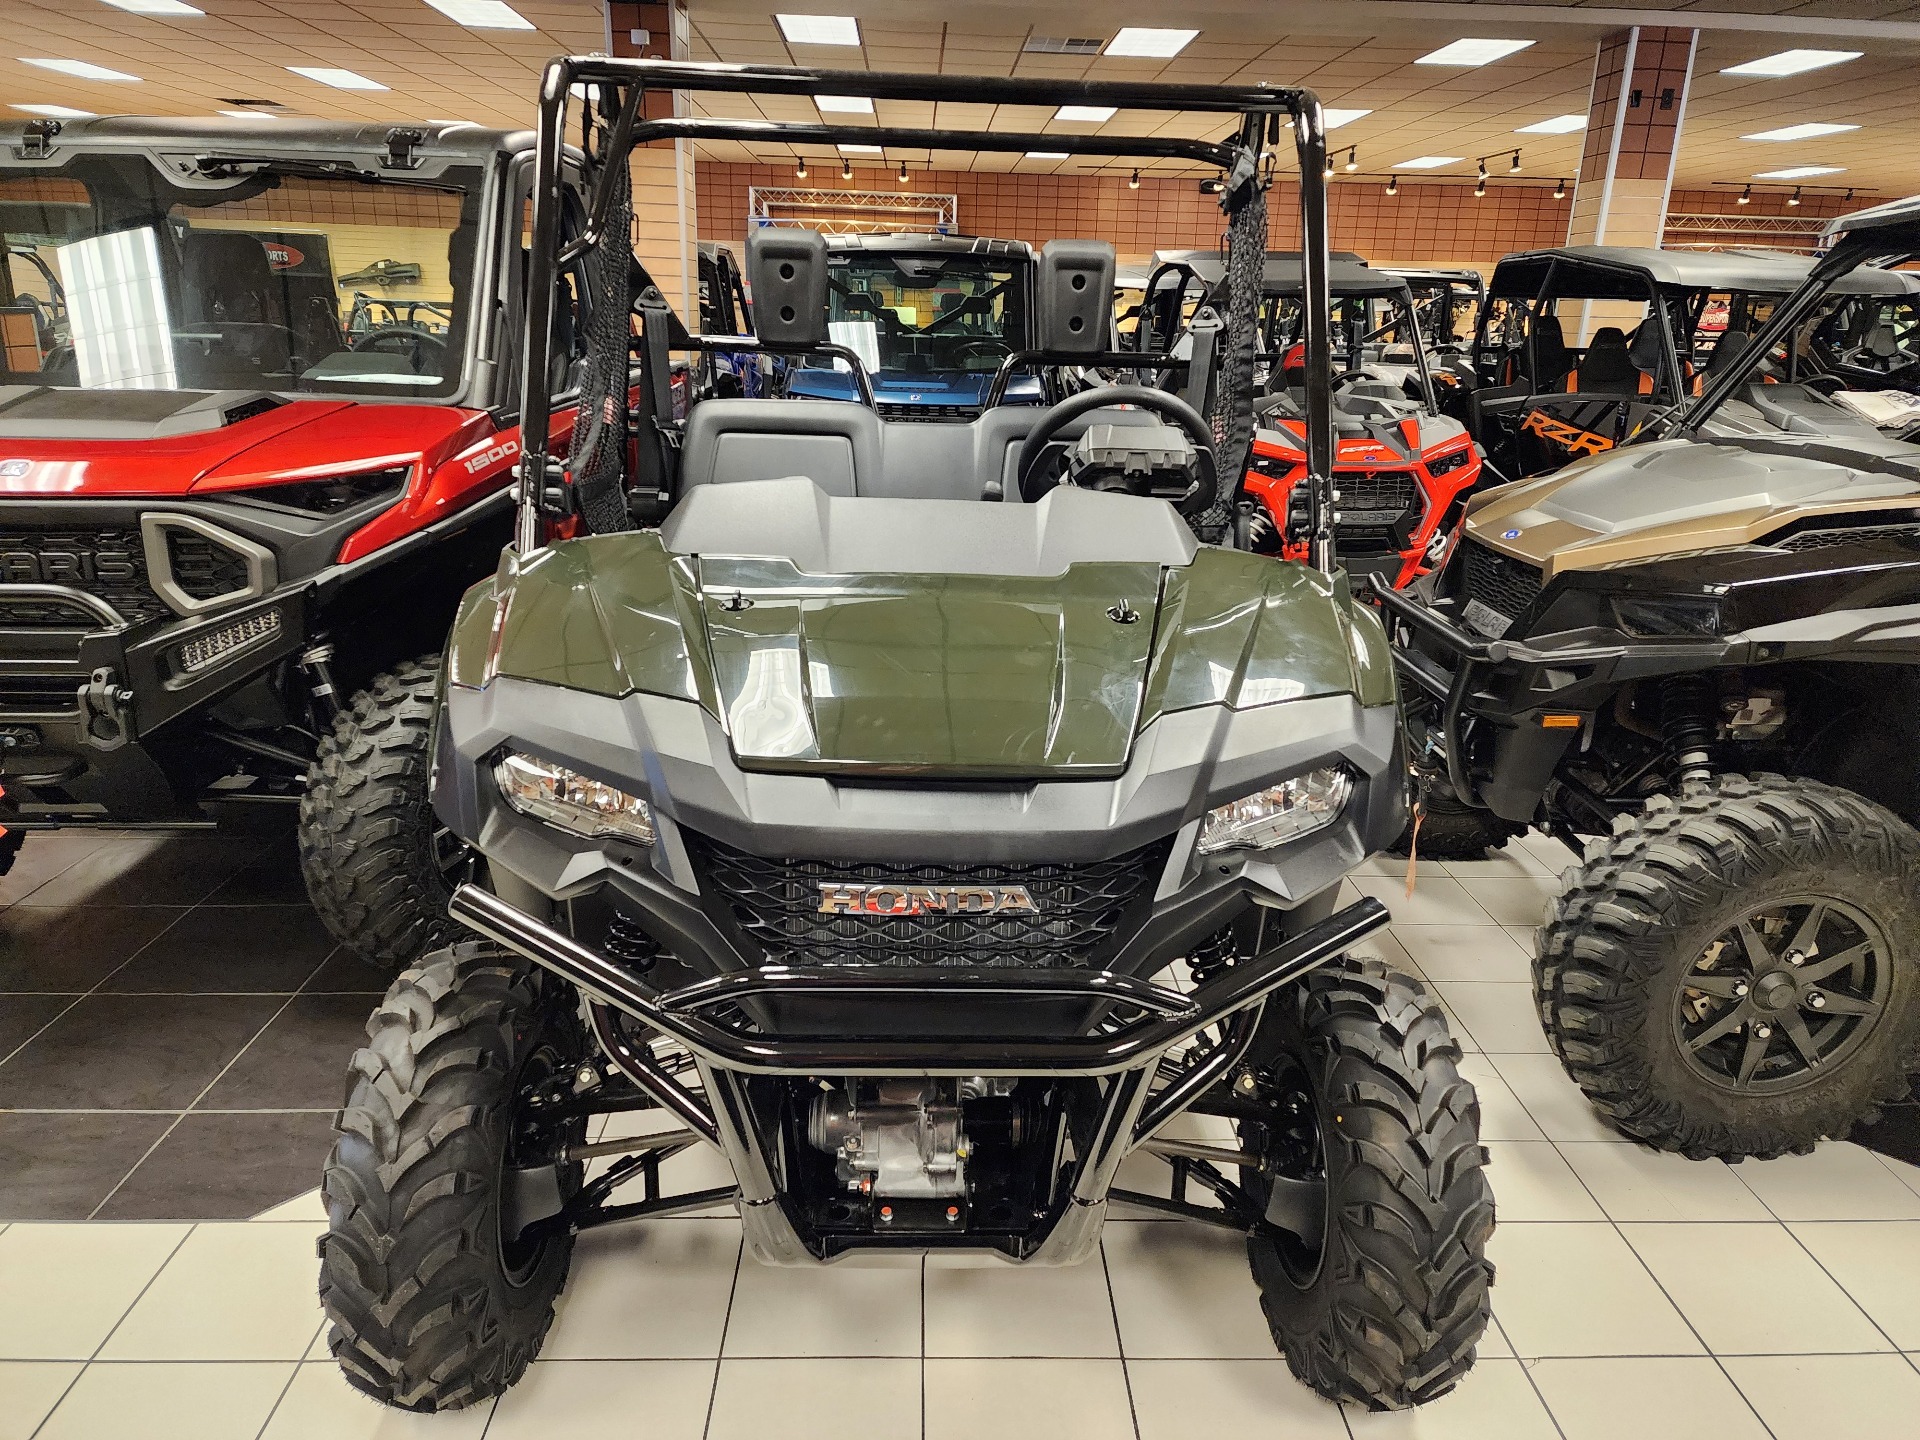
(210, 647)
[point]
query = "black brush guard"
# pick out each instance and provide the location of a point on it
(1148, 1021)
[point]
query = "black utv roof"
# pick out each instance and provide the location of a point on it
(1347, 273)
(1622, 272)
(904, 242)
(1415, 274)
(289, 138)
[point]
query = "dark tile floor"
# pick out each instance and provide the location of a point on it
(174, 1028)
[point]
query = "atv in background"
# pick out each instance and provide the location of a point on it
(1701, 650)
(239, 506)
(932, 319)
(1446, 305)
(855, 816)
(1402, 470)
(1661, 324)
(1871, 343)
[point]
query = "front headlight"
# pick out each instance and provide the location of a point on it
(570, 801)
(1279, 813)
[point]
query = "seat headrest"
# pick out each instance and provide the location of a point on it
(1074, 306)
(1882, 343)
(787, 269)
(228, 272)
(1645, 348)
(1731, 345)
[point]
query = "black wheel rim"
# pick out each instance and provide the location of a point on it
(1293, 1168)
(531, 1140)
(1783, 996)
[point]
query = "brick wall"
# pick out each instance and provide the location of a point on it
(1423, 224)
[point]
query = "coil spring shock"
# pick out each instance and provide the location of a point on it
(627, 942)
(1212, 955)
(1686, 724)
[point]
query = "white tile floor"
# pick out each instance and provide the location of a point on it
(1639, 1295)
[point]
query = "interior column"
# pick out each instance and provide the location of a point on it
(663, 188)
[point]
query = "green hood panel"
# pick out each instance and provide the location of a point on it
(954, 674)
(936, 675)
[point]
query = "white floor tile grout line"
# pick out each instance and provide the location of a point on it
(232, 1060)
(720, 1350)
(78, 997)
(1848, 1293)
(110, 1333)
(292, 1375)
(1119, 1343)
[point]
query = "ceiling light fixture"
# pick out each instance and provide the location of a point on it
(79, 69)
(1792, 62)
(56, 112)
(1799, 172)
(1429, 162)
(1794, 199)
(1554, 125)
(249, 114)
(1483, 170)
(1559, 189)
(1144, 42)
(1514, 167)
(1393, 185)
(1745, 197)
(338, 79)
(844, 104)
(847, 147)
(1133, 181)
(846, 169)
(1847, 199)
(1480, 186)
(1326, 170)
(819, 29)
(479, 14)
(1085, 114)
(155, 7)
(1353, 158)
(1337, 118)
(800, 170)
(1473, 52)
(1807, 131)
(902, 176)
(1046, 154)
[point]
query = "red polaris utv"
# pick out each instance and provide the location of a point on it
(1402, 468)
(238, 501)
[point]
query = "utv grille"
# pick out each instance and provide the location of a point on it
(898, 410)
(1373, 497)
(1081, 911)
(108, 563)
(1508, 585)
(1849, 535)
(204, 568)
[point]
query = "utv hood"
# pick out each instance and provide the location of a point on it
(929, 638)
(1679, 495)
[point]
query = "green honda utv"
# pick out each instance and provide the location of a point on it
(923, 816)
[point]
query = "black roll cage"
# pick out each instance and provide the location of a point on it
(1246, 158)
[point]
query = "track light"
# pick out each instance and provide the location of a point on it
(1480, 187)
(1353, 158)
(1393, 185)
(1326, 171)
(1746, 196)
(903, 172)
(1794, 199)
(1133, 181)
(846, 169)
(1847, 199)
(1514, 168)
(800, 170)
(1483, 170)
(1559, 189)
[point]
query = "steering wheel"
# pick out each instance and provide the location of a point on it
(1172, 407)
(409, 342)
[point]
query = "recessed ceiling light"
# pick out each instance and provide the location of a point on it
(819, 29)
(1092, 114)
(483, 14)
(1337, 118)
(1800, 172)
(339, 79)
(250, 114)
(859, 149)
(57, 112)
(1047, 154)
(155, 7)
(1429, 162)
(1556, 125)
(1145, 42)
(80, 69)
(1792, 62)
(845, 104)
(1808, 131)
(1473, 52)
